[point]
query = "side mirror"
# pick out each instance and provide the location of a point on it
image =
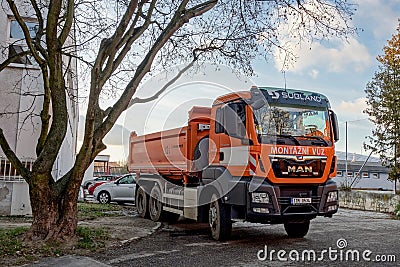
(257, 100)
(335, 126)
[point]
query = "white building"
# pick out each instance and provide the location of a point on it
(21, 87)
(373, 176)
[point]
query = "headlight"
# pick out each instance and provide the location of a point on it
(261, 210)
(260, 197)
(332, 196)
(332, 208)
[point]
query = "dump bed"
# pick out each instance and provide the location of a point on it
(170, 152)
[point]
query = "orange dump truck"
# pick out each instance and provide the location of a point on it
(264, 155)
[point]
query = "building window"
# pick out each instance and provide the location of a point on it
(375, 175)
(16, 40)
(349, 174)
(365, 175)
(339, 173)
(356, 174)
(17, 33)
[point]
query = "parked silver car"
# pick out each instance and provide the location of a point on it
(120, 191)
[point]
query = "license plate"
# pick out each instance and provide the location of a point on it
(301, 200)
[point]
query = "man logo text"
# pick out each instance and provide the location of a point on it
(300, 169)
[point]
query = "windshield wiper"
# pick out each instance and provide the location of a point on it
(319, 138)
(291, 137)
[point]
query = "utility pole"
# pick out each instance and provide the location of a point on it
(346, 159)
(396, 57)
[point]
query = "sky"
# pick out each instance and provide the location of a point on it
(339, 69)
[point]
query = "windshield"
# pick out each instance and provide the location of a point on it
(294, 124)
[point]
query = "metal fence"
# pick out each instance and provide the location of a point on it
(9, 173)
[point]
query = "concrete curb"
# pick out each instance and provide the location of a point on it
(135, 238)
(69, 261)
(78, 261)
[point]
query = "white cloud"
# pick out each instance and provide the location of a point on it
(380, 16)
(337, 55)
(353, 108)
(347, 55)
(313, 73)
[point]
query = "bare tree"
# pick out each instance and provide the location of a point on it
(134, 38)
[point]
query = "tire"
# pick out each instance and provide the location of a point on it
(219, 218)
(155, 205)
(297, 230)
(141, 202)
(104, 197)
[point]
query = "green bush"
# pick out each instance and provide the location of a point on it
(397, 211)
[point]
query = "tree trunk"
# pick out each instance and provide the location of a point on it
(54, 211)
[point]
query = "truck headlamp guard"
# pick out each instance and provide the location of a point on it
(332, 196)
(260, 197)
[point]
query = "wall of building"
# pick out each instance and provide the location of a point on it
(14, 198)
(373, 175)
(380, 183)
(21, 86)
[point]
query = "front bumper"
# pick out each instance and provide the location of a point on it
(280, 208)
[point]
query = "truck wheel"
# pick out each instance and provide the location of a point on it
(155, 205)
(219, 218)
(297, 230)
(141, 202)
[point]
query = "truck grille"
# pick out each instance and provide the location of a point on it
(292, 166)
(287, 193)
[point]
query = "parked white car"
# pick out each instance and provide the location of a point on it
(120, 191)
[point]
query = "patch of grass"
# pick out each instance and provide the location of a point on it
(10, 241)
(345, 187)
(16, 218)
(397, 211)
(51, 248)
(91, 238)
(14, 251)
(89, 211)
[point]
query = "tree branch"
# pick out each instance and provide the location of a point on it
(130, 37)
(40, 31)
(44, 114)
(12, 59)
(138, 100)
(180, 17)
(68, 22)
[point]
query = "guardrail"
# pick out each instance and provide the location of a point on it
(9, 173)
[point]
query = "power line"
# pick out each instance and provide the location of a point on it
(344, 122)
